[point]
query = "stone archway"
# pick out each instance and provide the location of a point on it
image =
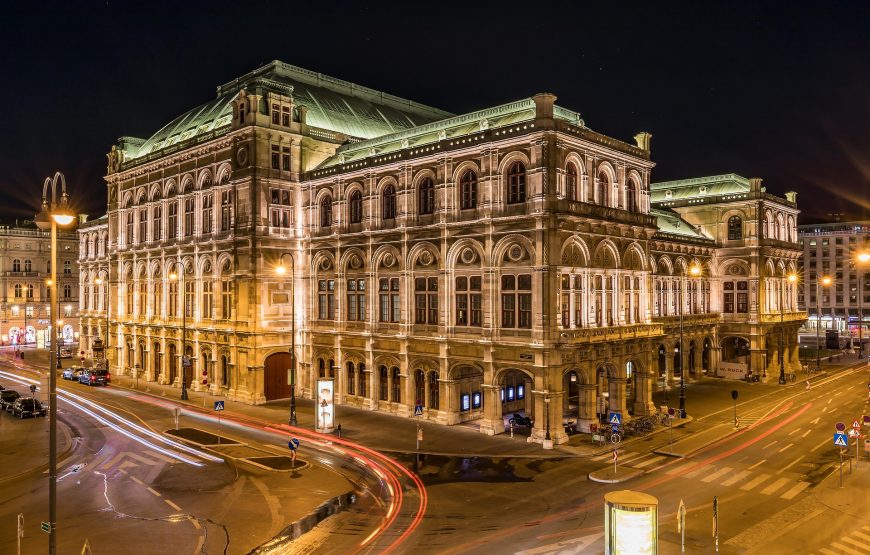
(275, 372)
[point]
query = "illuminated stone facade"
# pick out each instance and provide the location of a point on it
(509, 259)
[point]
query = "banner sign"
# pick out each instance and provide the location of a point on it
(325, 405)
(732, 370)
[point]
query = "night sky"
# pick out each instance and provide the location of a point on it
(771, 90)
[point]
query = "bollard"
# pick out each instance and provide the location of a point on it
(338, 431)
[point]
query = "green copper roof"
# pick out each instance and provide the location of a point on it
(698, 187)
(450, 128)
(332, 104)
(669, 221)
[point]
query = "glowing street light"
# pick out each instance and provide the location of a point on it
(862, 260)
(791, 278)
(281, 270)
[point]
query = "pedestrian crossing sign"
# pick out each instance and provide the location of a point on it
(218, 405)
(614, 418)
(841, 440)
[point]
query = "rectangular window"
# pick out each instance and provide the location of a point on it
(226, 300)
(285, 116)
(275, 157)
(326, 299)
(173, 220)
(189, 205)
(356, 300)
(207, 210)
(508, 301)
(29, 311)
(156, 228)
(728, 297)
(426, 300)
(226, 210)
(129, 299)
(285, 158)
(188, 298)
(143, 225)
(207, 300)
(394, 299)
(469, 306)
(276, 113)
(130, 227)
(143, 298)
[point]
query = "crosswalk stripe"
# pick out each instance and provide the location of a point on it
(608, 455)
(697, 471)
(680, 468)
(650, 461)
(796, 489)
(862, 545)
(846, 548)
(736, 478)
(774, 486)
(757, 480)
(718, 474)
(630, 456)
(827, 551)
(864, 537)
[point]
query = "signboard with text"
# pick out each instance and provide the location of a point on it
(325, 409)
(732, 370)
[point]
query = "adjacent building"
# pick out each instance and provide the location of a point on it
(831, 250)
(25, 266)
(508, 259)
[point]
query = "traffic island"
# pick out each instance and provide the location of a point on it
(611, 475)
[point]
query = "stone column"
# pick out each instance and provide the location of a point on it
(795, 355)
(493, 422)
(643, 403)
(449, 401)
(617, 398)
(586, 411)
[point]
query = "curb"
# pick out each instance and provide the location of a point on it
(61, 458)
(602, 479)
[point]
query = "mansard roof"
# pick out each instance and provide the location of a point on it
(699, 187)
(449, 128)
(670, 223)
(333, 104)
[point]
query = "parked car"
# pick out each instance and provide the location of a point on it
(73, 373)
(27, 407)
(66, 353)
(7, 397)
(95, 377)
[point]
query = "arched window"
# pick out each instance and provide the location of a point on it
(28, 266)
(516, 183)
(356, 207)
(321, 367)
(419, 386)
(361, 376)
(385, 385)
(67, 291)
(601, 192)
(17, 290)
(16, 265)
(571, 182)
(631, 196)
(397, 385)
(225, 371)
(735, 228)
(388, 203)
(30, 291)
(433, 390)
(426, 197)
(351, 378)
(468, 190)
(326, 212)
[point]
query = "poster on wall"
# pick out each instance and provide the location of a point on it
(325, 405)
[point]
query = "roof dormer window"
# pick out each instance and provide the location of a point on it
(669, 194)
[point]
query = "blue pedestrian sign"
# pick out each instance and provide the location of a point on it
(614, 418)
(418, 410)
(614, 428)
(841, 440)
(293, 444)
(218, 405)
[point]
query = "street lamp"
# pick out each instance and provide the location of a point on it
(54, 213)
(825, 281)
(791, 279)
(861, 262)
(694, 270)
(57, 337)
(185, 362)
(106, 298)
(282, 270)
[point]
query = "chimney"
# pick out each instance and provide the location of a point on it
(755, 184)
(544, 109)
(643, 139)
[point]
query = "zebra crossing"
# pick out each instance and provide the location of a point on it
(856, 543)
(748, 480)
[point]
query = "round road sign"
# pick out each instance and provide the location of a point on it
(840, 426)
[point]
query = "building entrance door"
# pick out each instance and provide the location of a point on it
(275, 371)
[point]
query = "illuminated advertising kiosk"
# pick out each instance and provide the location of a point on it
(630, 523)
(325, 405)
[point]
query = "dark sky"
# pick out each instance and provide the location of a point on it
(777, 90)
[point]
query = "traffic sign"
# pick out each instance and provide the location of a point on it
(218, 405)
(293, 444)
(840, 426)
(867, 419)
(614, 428)
(614, 418)
(856, 425)
(841, 440)
(672, 411)
(46, 527)
(418, 410)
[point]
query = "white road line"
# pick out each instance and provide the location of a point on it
(137, 480)
(806, 433)
(679, 469)
(736, 478)
(862, 545)
(827, 551)
(796, 489)
(697, 471)
(630, 457)
(864, 537)
(824, 410)
(847, 549)
(163, 458)
(173, 505)
(774, 486)
(758, 463)
(796, 430)
(786, 447)
(789, 465)
(771, 444)
(815, 420)
(154, 492)
(718, 474)
(749, 485)
(821, 444)
(831, 400)
(608, 455)
(650, 461)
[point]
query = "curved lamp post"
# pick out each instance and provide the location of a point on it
(55, 212)
(185, 362)
(694, 271)
(862, 260)
(792, 278)
(282, 270)
(826, 281)
(106, 297)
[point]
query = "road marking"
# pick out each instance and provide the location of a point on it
(796, 430)
(163, 458)
(142, 459)
(820, 445)
(749, 485)
(847, 549)
(827, 551)
(650, 461)
(112, 462)
(786, 447)
(608, 455)
(758, 463)
(736, 478)
(864, 537)
(154, 492)
(835, 394)
(196, 525)
(137, 480)
(792, 493)
(791, 464)
(718, 474)
(771, 444)
(815, 420)
(697, 471)
(824, 410)
(679, 469)
(806, 433)
(173, 505)
(847, 539)
(775, 486)
(830, 400)
(630, 456)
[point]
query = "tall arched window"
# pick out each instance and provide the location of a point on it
(361, 376)
(326, 212)
(28, 266)
(426, 197)
(388, 203)
(225, 371)
(433, 390)
(468, 190)
(571, 182)
(16, 265)
(601, 192)
(351, 378)
(516, 183)
(356, 207)
(385, 384)
(735, 228)
(17, 290)
(419, 386)
(67, 291)
(396, 382)
(631, 196)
